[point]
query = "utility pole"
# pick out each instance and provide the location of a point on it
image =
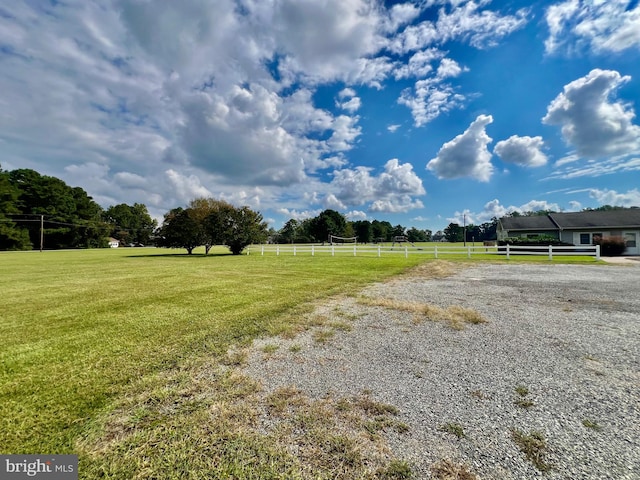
(464, 228)
(41, 232)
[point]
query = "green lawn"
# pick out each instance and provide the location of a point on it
(78, 326)
(85, 332)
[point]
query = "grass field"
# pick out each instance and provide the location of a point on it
(88, 336)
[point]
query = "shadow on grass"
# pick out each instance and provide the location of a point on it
(182, 255)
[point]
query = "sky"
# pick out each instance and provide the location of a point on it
(420, 113)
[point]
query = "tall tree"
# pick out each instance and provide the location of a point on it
(382, 230)
(216, 220)
(415, 235)
(398, 231)
(289, 231)
(244, 227)
(130, 224)
(453, 233)
(180, 230)
(329, 222)
(363, 230)
(12, 237)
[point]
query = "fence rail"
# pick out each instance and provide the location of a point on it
(434, 250)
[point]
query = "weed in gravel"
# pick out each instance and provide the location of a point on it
(295, 348)
(448, 470)
(323, 336)
(453, 428)
(591, 424)
(342, 326)
(534, 446)
(270, 348)
(396, 470)
(339, 312)
(479, 394)
(522, 401)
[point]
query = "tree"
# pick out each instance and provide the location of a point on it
(288, 233)
(130, 224)
(11, 236)
(211, 214)
(489, 230)
(329, 222)
(243, 227)
(363, 230)
(180, 230)
(398, 231)
(415, 235)
(381, 230)
(71, 217)
(453, 233)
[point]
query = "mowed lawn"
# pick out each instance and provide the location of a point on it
(77, 327)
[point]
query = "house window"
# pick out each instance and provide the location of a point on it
(589, 238)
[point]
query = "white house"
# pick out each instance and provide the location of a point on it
(578, 228)
(114, 242)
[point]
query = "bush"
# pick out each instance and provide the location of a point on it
(611, 246)
(541, 241)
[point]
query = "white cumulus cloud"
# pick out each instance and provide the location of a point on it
(467, 154)
(525, 151)
(630, 198)
(592, 122)
(392, 190)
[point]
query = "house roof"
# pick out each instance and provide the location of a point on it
(536, 222)
(590, 219)
(598, 219)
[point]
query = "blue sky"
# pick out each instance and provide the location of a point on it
(418, 113)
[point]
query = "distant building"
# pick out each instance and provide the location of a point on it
(578, 228)
(114, 242)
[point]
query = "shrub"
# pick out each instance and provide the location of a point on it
(610, 246)
(540, 241)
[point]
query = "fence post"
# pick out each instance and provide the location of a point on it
(435, 250)
(294, 250)
(262, 250)
(378, 250)
(333, 251)
(313, 250)
(354, 249)
(597, 252)
(406, 252)
(550, 252)
(278, 251)
(507, 251)
(468, 252)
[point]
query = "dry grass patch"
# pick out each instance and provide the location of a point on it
(455, 316)
(435, 269)
(207, 420)
(448, 470)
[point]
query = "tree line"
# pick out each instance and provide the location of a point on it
(36, 208)
(330, 222)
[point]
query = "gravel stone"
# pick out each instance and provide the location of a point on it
(570, 334)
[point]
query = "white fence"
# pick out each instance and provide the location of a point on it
(434, 250)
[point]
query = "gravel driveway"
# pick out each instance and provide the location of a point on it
(559, 355)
